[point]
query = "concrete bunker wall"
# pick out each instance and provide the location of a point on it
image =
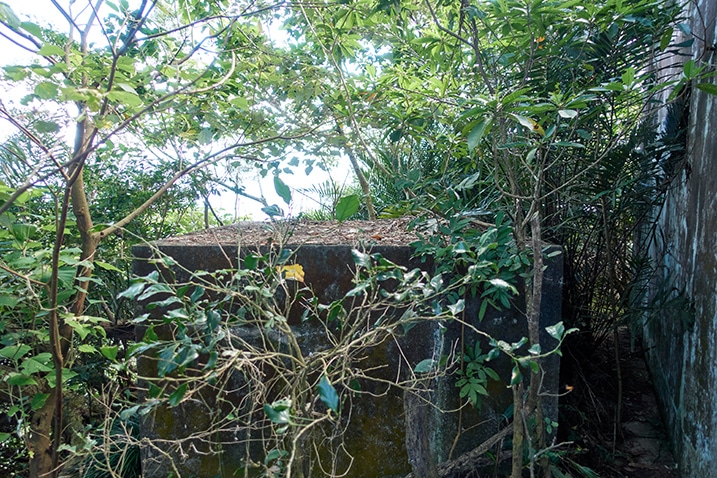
(681, 341)
(377, 436)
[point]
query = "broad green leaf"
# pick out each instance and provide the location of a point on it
(278, 415)
(127, 88)
(361, 259)
(8, 301)
(628, 78)
(503, 284)
(130, 99)
(14, 352)
(176, 397)
(556, 331)
(39, 363)
(327, 394)
(477, 132)
(529, 123)
(108, 267)
(515, 376)
(709, 88)
(205, 136)
(46, 126)
(19, 379)
(38, 400)
(272, 211)
(132, 291)
(347, 206)
(32, 28)
(8, 16)
(282, 189)
(569, 114)
(83, 330)
(458, 307)
(46, 90)
(425, 366)
(569, 144)
(49, 50)
(87, 348)
(240, 103)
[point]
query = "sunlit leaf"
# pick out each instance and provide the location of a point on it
(282, 189)
(291, 271)
(347, 206)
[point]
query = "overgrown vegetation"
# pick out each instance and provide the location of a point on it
(503, 125)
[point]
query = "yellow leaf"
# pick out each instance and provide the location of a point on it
(292, 271)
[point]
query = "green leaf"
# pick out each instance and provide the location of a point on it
(38, 400)
(5, 437)
(8, 16)
(46, 126)
(132, 291)
(628, 78)
(425, 366)
(282, 189)
(49, 50)
(458, 307)
(515, 376)
(46, 90)
(14, 352)
(110, 352)
(19, 379)
(709, 88)
(272, 210)
(327, 394)
(108, 267)
(556, 331)
(205, 136)
(240, 103)
(477, 132)
(87, 348)
(125, 97)
(80, 329)
(32, 29)
(569, 144)
(483, 309)
(347, 206)
(361, 259)
(39, 363)
(569, 114)
(177, 395)
(277, 415)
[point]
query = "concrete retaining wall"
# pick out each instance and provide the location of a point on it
(376, 438)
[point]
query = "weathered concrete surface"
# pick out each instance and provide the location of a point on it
(682, 352)
(376, 437)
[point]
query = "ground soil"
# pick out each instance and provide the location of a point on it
(638, 447)
(385, 232)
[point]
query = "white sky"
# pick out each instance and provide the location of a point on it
(43, 13)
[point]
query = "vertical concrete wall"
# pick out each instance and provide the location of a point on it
(378, 435)
(682, 344)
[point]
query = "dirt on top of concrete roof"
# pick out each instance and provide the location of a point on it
(386, 232)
